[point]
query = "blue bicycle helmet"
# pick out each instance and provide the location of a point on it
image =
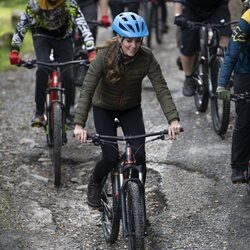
(129, 24)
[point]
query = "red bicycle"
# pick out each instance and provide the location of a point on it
(54, 122)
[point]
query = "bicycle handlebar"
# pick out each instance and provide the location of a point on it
(209, 25)
(98, 23)
(96, 139)
(29, 64)
(243, 97)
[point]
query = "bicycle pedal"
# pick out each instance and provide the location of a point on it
(36, 125)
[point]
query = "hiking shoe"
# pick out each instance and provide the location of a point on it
(94, 193)
(189, 86)
(238, 175)
(37, 120)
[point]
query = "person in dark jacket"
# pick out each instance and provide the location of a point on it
(51, 23)
(113, 85)
(237, 59)
(212, 11)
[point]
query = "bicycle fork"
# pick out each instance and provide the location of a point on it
(54, 93)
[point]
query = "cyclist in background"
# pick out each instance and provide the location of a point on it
(237, 59)
(51, 23)
(113, 85)
(119, 6)
(89, 9)
(212, 11)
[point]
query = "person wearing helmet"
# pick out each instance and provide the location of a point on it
(51, 23)
(113, 86)
(237, 60)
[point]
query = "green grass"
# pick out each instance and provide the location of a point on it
(6, 8)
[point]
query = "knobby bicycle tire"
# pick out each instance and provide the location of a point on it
(56, 115)
(154, 22)
(201, 93)
(158, 24)
(110, 211)
(134, 217)
(220, 109)
(147, 10)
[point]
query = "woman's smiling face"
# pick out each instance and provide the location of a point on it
(130, 46)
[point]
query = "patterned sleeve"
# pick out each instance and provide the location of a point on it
(25, 23)
(80, 22)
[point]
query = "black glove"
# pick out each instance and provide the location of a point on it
(181, 21)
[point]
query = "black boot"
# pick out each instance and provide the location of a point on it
(94, 193)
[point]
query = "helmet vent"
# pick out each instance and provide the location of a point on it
(122, 27)
(137, 26)
(131, 27)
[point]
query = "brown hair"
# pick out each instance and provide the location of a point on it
(114, 57)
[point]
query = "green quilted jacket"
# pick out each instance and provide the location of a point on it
(126, 93)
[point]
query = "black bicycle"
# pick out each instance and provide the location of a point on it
(123, 194)
(54, 117)
(244, 98)
(206, 72)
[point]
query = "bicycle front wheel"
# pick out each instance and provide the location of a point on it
(110, 210)
(201, 95)
(220, 109)
(57, 130)
(134, 210)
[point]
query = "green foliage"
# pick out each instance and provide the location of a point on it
(6, 9)
(13, 3)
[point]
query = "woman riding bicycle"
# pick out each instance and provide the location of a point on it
(51, 23)
(113, 85)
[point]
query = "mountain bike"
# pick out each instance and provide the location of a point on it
(244, 98)
(54, 117)
(123, 194)
(206, 71)
(153, 14)
(80, 53)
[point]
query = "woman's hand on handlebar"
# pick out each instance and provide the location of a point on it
(80, 133)
(174, 129)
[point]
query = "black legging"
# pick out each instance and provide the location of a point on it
(241, 134)
(131, 122)
(62, 51)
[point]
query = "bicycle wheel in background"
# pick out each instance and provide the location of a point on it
(153, 17)
(201, 93)
(110, 210)
(158, 23)
(220, 109)
(56, 125)
(134, 212)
